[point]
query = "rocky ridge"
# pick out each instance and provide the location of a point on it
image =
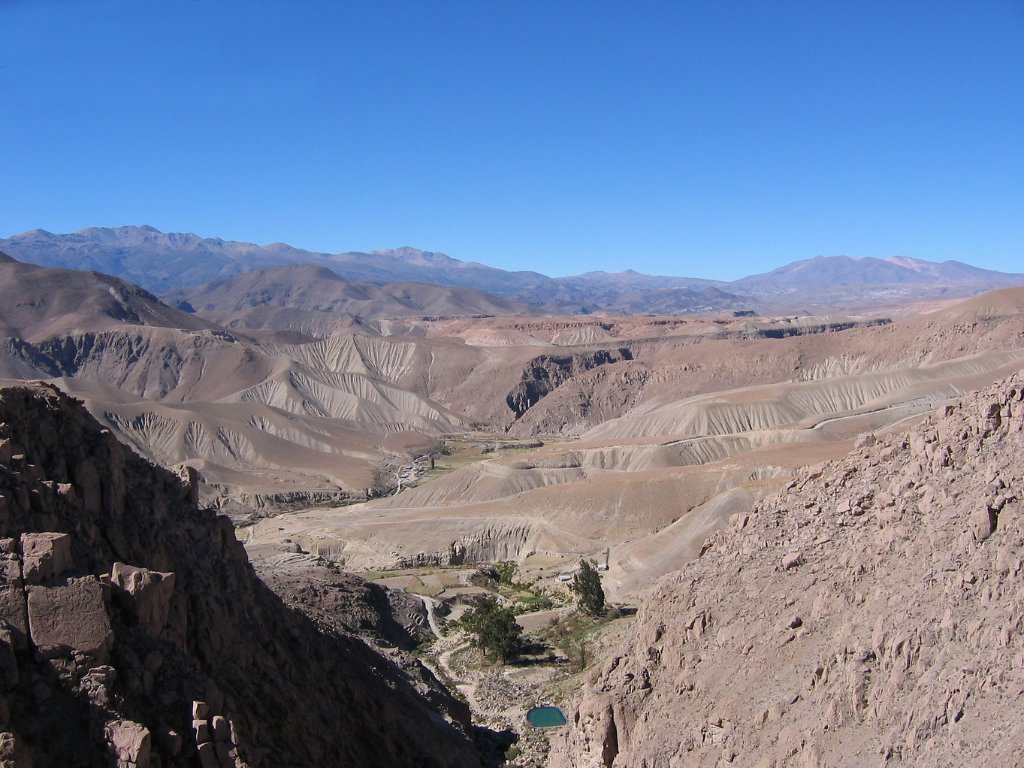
(870, 614)
(134, 632)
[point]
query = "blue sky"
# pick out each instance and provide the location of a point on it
(711, 139)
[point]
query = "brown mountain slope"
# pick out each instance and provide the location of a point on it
(36, 303)
(179, 388)
(313, 299)
(257, 406)
(244, 412)
(258, 423)
(868, 614)
(133, 631)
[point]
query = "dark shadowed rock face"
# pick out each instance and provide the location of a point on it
(344, 602)
(133, 631)
(547, 372)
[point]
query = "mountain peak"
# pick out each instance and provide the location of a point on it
(416, 256)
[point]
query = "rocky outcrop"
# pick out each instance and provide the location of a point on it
(871, 614)
(69, 619)
(134, 632)
(389, 618)
(546, 373)
(497, 541)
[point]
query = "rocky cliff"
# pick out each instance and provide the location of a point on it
(134, 632)
(870, 614)
(389, 618)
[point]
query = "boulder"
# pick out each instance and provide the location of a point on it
(208, 755)
(221, 728)
(147, 593)
(130, 742)
(45, 556)
(200, 710)
(201, 731)
(982, 522)
(70, 618)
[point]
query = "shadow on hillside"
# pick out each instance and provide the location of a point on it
(493, 745)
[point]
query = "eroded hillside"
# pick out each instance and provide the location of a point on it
(867, 614)
(647, 486)
(675, 422)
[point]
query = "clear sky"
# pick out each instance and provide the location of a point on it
(701, 138)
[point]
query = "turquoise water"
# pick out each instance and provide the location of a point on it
(545, 717)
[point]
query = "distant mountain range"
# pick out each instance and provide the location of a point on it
(164, 263)
(315, 300)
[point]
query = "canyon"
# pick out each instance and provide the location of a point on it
(791, 500)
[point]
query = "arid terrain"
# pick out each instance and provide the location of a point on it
(755, 482)
(511, 384)
(868, 614)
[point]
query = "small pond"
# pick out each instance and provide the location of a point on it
(545, 717)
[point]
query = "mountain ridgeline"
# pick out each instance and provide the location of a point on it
(166, 262)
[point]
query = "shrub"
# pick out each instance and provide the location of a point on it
(506, 570)
(532, 603)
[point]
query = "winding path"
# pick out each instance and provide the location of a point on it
(429, 603)
(443, 657)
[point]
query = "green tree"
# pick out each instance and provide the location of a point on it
(586, 583)
(494, 629)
